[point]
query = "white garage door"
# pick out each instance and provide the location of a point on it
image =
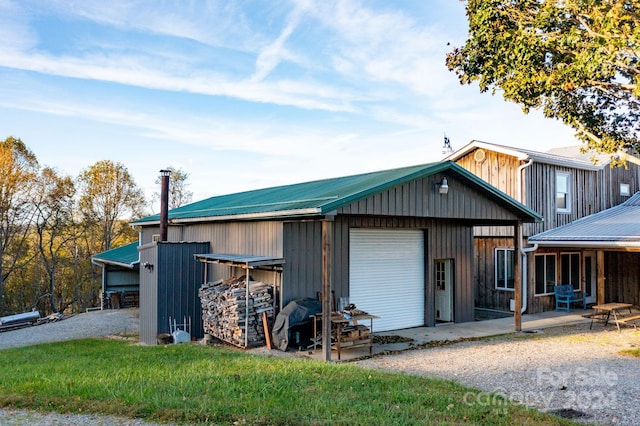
(386, 276)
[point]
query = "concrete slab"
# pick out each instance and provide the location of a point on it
(422, 336)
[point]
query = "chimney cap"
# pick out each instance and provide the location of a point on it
(165, 172)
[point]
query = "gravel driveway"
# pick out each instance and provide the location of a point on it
(574, 369)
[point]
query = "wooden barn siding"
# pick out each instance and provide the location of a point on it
(622, 277)
(500, 171)
(420, 198)
(487, 296)
(148, 295)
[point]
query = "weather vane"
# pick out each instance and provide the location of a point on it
(446, 148)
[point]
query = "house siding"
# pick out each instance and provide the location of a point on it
(622, 274)
(591, 191)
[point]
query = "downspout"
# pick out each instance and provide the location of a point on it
(524, 251)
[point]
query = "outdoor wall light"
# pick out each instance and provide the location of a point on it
(148, 266)
(443, 188)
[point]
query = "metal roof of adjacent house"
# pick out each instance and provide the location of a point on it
(125, 256)
(617, 227)
(570, 156)
(322, 196)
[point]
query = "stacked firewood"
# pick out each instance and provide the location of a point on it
(224, 310)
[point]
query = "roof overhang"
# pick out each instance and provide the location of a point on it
(242, 260)
(524, 155)
(103, 262)
(247, 216)
(602, 245)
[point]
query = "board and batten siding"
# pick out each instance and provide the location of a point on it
(622, 277)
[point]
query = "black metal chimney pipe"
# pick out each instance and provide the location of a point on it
(164, 203)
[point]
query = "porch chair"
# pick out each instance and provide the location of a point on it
(565, 294)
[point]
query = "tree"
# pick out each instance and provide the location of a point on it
(55, 229)
(178, 193)
(18, 176)
(109, 198)
(576, 60)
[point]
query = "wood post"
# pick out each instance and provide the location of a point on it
(600, 299)
(327, 276)
(517, 279)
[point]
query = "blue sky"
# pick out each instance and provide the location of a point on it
(245, 94)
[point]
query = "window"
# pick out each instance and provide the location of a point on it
(545, 273)
(570, 269)
(504, 269)
(625, 190)
(563, 192)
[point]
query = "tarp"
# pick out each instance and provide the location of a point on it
(295, 313)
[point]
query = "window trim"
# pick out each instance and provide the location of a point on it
(568, 197)
(625, 189)
(504, 250)
(555, 263)
(579, 271)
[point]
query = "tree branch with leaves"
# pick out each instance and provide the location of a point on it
(575, 60)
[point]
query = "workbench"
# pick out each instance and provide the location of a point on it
(340, 323)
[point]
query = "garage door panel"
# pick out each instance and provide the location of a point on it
(386, 276)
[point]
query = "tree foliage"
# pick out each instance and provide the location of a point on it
(49, 230)
(18, 176)
(109, 196)
(56, 232)
(576, 60)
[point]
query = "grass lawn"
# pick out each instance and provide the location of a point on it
(191, 383)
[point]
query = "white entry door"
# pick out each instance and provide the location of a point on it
(444, 289)
(590, 277)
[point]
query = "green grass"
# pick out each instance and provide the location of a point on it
(631, 352)
(191, 383)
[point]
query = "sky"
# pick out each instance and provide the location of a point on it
(243, 95)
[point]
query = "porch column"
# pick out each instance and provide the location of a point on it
(600, 279)
(517, 279)
(327, 285)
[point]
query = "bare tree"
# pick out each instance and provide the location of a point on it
(178, 193)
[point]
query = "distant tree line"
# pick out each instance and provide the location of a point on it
(51, 225)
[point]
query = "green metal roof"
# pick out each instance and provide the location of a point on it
(322, 196)
(126, 256)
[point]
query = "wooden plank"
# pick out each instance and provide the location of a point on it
(267, 330)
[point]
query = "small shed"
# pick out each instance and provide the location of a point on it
(169, 284)
(120, 276)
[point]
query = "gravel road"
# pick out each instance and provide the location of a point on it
(90, 324)
(573, 369)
